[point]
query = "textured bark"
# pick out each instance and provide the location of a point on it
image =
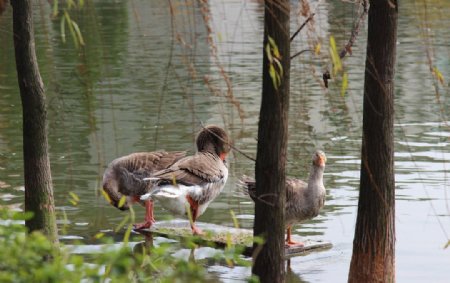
(268, 262)
(38, 181)
(373, 258)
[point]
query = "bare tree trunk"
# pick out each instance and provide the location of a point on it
(373, 258)
(38, 181)
(268, 261)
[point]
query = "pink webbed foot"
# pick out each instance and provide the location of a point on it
(149, 219)
(143, 225)
(291, 243)
(196, 230)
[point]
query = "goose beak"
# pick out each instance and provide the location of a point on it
(321, 160)
(222, 156)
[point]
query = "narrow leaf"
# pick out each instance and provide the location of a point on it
(106, 196)
(273, 76)
(337, 65)
(126, 237)
(71, 29)
(99, 235)
(438, 75)
(344, 84)
(122, 223)
(55, 9)
(235, 221)
(63, 29)
(317, 49)
(269, 54)
(74, 196)
(78, 33)
(122, 201)
(280, 67)
(274, 48)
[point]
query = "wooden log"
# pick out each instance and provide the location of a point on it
(223, 236)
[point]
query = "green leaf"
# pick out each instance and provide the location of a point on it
(99, 235)
(344, 84)
(274, 48)
(63, 29)
(74, 196)
(22, 215)
(122, 201)
(235, 220)
(78, 33)
(70, 4)
(122, 223)
(269, 54)
(317, 49)
(336, 60)
(438, 75)
(126, 237)
(55, 9)
(71, 29)
(280, 67)
(274, 76)
(105, 195)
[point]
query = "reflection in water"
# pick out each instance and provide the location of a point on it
(138, 85)
(145, 246)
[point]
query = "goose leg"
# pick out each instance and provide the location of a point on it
(289, 241)
(149, 219)
(194, 210)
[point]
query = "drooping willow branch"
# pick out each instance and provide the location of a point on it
(348, 47)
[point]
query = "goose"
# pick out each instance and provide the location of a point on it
(303, 200)
(189, 185)
(140, 165)
(192, 183)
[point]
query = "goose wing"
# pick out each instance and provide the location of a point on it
(199, 169)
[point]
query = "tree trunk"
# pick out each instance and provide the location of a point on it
(268, 261)
(38, 181)
(373, 258)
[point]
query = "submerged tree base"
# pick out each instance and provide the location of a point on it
(223, 236)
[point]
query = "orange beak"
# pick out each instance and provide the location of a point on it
(222, 156)
(322, 160)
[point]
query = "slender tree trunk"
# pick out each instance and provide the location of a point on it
(373, 257)
(38, 181)
(268, 261)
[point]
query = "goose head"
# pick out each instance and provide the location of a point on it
(215, 140)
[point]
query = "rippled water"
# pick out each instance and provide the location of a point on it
(139, 85)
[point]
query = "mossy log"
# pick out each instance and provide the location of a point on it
(223, 236)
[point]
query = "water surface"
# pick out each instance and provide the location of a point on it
(139, 85)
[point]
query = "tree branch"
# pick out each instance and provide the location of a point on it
(302, 26)
(355, 31)
(348, 47)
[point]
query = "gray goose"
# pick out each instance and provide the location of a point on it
(189, 185)
(139, 165)
(303, 200)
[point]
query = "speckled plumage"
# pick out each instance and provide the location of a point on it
(193, 181)
(175, 180)
(303, 200)
(136, 165)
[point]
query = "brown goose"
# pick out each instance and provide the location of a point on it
(140, 164)
(194, 181)
(303, 200)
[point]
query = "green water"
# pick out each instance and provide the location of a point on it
(139, 85)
